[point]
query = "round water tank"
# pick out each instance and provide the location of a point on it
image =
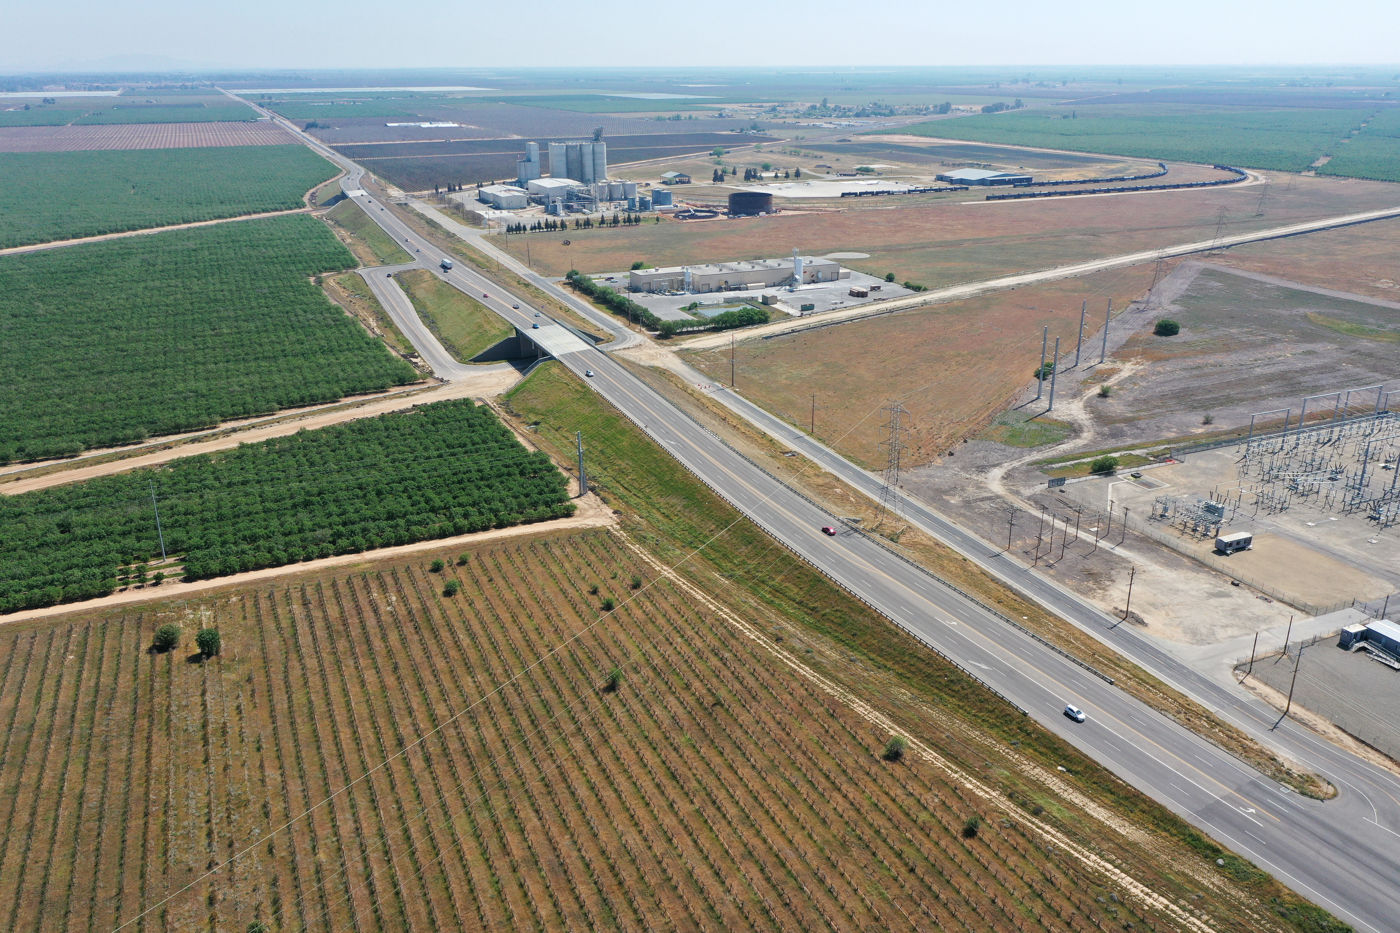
(750, 202)
(629, 189)
(644, 203)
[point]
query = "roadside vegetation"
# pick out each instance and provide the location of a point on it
(443, 469)
(109, 343)
(464, 326)
(370, 244)
(63, 195)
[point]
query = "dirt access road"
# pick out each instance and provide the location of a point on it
(592, 513)
(973, 289)
(490, 381)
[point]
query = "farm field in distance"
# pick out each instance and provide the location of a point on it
(1283, 140)
(444, 469)
(66, 195)
(953, 365)
(109, 343)
(140, 136)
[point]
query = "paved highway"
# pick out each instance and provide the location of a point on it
(1343, 854)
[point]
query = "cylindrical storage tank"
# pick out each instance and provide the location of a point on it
(629, 189)
(643, 203)
(615, 190)
(600, 160)
(631, 204)
(661, 197)
(750, 202)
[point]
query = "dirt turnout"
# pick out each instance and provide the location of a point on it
(141, 136)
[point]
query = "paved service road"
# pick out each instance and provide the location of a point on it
(1343, 854)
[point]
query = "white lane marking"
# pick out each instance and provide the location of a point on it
(949, 622)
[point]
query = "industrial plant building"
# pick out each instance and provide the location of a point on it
(504, 197)
(738, 276)
(528, 168)
(978, 176)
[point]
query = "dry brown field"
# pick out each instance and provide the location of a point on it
(1360, 259)
(954, 365)
(951, 242)
(714, 789)
(141, 136)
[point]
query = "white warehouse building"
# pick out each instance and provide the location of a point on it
(504, 197)
(547, 189)
(738, 276)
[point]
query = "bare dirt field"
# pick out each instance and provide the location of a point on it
(1245, 346)
(952, 242)
(953, 366)
(465, 762)
(1360, 259)
(141, 136)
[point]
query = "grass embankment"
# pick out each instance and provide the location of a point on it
(678, 517)
(367, 240)
(1021, 429)
(351, 292)
(464, 326)
(948, 565)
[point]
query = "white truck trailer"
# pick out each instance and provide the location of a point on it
(1235, 541)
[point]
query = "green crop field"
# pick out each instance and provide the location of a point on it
(39, 117)
(228, 112)
(1372, 153)
(1284, 140)
(439, 470)
(108, 343)
(57, 195)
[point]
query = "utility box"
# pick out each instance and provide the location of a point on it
(1236, 541)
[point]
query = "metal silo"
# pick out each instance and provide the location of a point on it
(615, 190)
(600, 160)
(629, 189)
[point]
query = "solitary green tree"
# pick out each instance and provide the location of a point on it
(1166, 328)
(894, 749)
(208, 641)
(1105, 464)
(614, 681)
(166, 637)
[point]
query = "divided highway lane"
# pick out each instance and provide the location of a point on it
(1368, 806)
(1348, 871)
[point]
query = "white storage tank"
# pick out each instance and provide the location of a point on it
(615, 190)
(629, 189)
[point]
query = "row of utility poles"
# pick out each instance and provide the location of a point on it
(1078, 352)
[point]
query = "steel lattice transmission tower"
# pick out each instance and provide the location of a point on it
(894, 449)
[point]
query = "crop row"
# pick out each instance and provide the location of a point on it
(440, 470)
(109, 343)
(61, 195)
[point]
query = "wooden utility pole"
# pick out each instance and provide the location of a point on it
(813, 432)
(731, 361)
(1129, 605)
(1011, 511)
(1296, 664)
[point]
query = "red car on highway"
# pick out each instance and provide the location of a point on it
(828, 530)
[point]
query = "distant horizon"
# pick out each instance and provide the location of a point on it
(260, 35)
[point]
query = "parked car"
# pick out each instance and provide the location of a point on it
(1075, 713)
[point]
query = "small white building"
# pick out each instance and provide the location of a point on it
(504, 197)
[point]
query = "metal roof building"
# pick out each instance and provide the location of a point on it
(737, 276)
(504, 197)
(980, 176)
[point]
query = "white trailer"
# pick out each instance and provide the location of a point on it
(1235, 541)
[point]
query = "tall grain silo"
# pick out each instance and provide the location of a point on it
(600, 160)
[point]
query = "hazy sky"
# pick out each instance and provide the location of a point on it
(447, 33)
